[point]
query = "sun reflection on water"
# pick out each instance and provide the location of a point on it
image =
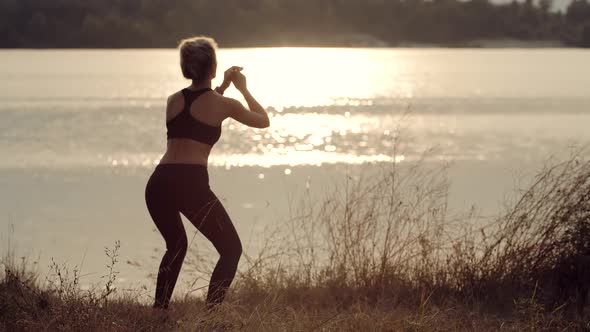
(296, 139)
(317, 76)
(303, 139)
(328, 105)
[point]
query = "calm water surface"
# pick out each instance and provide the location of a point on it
(80, 131)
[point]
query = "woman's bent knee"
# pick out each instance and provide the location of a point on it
(232, 253)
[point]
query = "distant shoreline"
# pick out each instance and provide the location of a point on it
(280, 23)
(477, 44)
(493, 43)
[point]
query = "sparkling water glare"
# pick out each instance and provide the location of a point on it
(104, 108)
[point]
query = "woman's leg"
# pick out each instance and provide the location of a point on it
(167, 219)
(212, 220)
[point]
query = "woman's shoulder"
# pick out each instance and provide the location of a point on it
(175, 96)
(221, 105)
(216, 99)
(175, 100)
(210, 99)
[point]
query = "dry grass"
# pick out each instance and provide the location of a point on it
(379, 253)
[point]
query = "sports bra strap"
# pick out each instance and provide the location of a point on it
(190, 96)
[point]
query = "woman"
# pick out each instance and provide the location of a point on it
(180, 183)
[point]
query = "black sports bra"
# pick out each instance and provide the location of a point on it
(184, 125)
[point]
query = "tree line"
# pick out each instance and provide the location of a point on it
(241, 23)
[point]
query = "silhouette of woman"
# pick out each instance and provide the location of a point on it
(180, 183)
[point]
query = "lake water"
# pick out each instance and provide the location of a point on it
(81, 130)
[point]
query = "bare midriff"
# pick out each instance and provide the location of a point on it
(186, 151)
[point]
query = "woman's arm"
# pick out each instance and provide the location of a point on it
(256, 116)
(227, 78)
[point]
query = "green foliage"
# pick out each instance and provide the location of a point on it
(159, 23)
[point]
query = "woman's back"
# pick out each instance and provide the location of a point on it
(193, 118)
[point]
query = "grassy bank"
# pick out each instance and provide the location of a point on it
(381, 252)
(27, 307)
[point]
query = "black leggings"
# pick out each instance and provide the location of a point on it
(184, 188)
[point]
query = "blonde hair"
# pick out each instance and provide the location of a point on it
(197, 57)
